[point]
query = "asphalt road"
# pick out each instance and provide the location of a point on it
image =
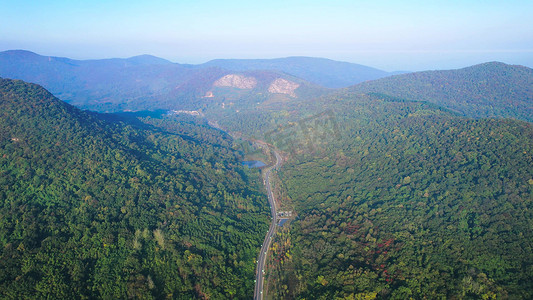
(260, 276)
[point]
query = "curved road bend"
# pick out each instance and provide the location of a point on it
(260, 276)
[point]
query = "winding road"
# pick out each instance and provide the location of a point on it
(261, 261)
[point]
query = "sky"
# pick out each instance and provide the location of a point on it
(390, 35)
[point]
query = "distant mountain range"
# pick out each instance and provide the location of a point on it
(147, 83)
(102, 85)
(141, 82)
(321, 71)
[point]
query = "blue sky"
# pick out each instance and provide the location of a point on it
(391, 35)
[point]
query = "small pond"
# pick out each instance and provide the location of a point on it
(282, 221)
(254, 163)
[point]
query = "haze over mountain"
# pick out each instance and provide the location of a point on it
(147, 82)
(144, 82)
(390, 35)
(95, 83)
(321, 71)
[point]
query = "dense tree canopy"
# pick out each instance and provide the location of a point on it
(96, 206)
(487, 90)
(408, 200)
(398, 192)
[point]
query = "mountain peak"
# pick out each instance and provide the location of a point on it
(494, 65)
(323, 71)
(21, 54)
(492, 89)
(147, 59)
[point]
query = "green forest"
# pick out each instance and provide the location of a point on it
(491, 89)
(106, 206)
(416, 186)
(404, 188)
(406, 200)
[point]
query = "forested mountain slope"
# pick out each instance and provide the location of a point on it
(95, 207)
(400, 199)
(402, 188)
(487, 90)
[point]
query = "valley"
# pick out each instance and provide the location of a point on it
(259, 291)
(415, 185)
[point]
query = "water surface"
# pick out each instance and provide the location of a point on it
(254, 163)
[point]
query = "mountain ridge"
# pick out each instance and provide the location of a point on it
(146, 82)
(143, 82)
(492, 89)
(323, 71)
(145, 59)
